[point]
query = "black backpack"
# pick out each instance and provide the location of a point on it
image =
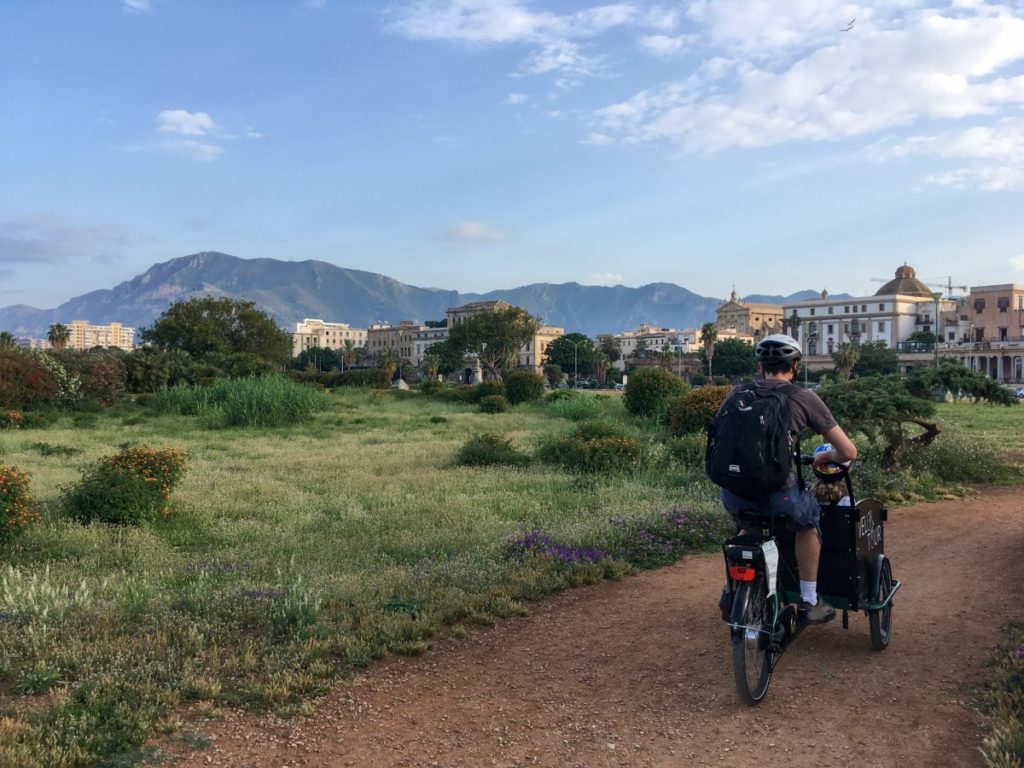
(750, 448)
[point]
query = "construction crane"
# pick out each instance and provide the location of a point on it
(948, 285)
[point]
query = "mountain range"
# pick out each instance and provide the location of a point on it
(293, 290)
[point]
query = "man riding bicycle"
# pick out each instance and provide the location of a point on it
(778, 357)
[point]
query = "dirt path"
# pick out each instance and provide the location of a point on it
(637, 673)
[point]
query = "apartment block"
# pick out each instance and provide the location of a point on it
(84, 336)
(312, 332)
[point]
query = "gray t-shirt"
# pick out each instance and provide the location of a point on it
(806, 410)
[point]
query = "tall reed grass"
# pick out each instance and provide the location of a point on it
(259, 401)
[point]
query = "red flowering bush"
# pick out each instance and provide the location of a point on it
(24, 383)
(16, 509)
(126, 488)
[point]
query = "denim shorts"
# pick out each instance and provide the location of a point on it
(801, 510)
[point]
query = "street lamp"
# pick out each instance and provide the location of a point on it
(576, 362)
(937, 296)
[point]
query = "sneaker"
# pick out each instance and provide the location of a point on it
(725, 603)
(816, 614)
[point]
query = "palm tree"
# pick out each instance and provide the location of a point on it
(610, 346)
(389, 359)
(7, 340)
(58, 335)
(348, 353)
(430, 365)
(845, 357)
(708, 337)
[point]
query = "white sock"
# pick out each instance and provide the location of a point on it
(809, 592)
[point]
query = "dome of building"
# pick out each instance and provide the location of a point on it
(905, 284)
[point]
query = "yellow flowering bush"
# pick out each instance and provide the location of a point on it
(133, 485)
(17, 511)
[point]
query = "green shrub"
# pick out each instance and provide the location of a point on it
(688, 451)
(459, 394)
(132, 486)
(695, 410)
(430, 387)
(489, 449)
(493, 404)
(650, 391)
(523, 387)
(485, 389)
(17, 511)
(261, 401)
(38, 419)
(592, 448)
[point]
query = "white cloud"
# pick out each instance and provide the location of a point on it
(666, 46)
(1017, 262)
(514, 99)
(997, 149)
(471, 231)
(185, 123)
(924, 66)
(493, 22)
(136, 6)
(605, 278)
(562, 56)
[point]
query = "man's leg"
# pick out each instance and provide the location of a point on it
(808, 552)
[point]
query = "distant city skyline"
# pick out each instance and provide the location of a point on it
(479, 145)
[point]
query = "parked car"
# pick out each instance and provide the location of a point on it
(619, 387)
(1020, 393)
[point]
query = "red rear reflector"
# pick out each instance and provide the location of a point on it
(741, 573)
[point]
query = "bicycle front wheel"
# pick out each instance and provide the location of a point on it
(751, 659)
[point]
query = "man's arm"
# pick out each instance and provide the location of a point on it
(843, 449)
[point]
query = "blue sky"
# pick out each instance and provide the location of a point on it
(480, 145)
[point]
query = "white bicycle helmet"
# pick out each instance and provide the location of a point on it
(778, 346)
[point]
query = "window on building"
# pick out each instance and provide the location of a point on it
(1003, 304)
(846, 309)
(812, 327)
(979, 334)
(829, 329)
(812, 310)
(881, 326)
(1002, 334)
(863, 307)
(979, 306)
(831, 310)
(881, 307)
(952, 335)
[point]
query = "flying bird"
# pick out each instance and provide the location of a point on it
(849, 25)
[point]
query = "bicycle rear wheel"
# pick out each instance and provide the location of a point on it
(880, 622)
(751, 659)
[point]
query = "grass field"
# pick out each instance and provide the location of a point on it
(294, 556)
